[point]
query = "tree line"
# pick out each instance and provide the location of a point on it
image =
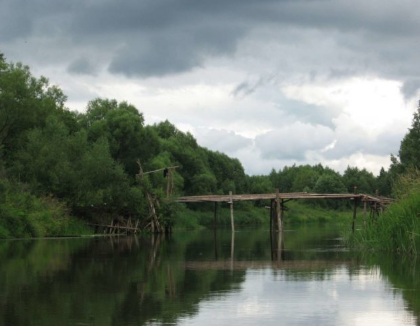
(87, 161)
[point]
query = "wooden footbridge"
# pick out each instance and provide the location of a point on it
(278, 201)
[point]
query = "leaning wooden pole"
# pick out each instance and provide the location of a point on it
(232, 223)
(354, 209)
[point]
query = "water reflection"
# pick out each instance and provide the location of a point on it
(196, 278)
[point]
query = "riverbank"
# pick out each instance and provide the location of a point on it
(396, 230)
(24, 215)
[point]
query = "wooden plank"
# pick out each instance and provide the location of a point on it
(154, 171)
(283, 196)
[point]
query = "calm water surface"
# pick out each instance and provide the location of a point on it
(306, 277)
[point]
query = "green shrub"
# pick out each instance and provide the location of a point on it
(24, 215)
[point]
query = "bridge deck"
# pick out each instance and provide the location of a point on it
(298, 195)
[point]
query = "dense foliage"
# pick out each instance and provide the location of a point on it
(398, 228)
(86, 162)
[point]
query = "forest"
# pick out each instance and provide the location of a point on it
(61, 169)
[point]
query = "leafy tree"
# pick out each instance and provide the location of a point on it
(384, 184)
(330, 184)
(285, 178)
(122, 125)
(410, 145)
(25, 103)
(305, 179)
(203, 184)
(229, 172)
(166, 129)
(70, 168)
(260, 184)
(362, 179)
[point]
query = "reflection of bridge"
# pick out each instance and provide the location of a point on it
(278, 200)
(278, 259)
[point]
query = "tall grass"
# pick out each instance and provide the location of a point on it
(398, 228)
(24, 215)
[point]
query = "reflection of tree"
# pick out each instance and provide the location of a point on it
(103, 281)
(404, 276)
(129, 280)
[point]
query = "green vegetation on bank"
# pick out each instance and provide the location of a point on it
(25, 215)
(60, 169)
(398, 229)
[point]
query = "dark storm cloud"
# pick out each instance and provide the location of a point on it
(160, 37)
(82, 66)
(173, 52)
(410, 87)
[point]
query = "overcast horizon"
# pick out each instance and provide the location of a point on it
(272, 83)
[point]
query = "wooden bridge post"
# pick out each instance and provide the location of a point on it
(215, 216)
(232, 223)
(354, 209)
(278, 212)
(232, 251)
(271, 216)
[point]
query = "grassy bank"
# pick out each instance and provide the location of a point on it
(398, 229)
(22, 215)
(303, 213)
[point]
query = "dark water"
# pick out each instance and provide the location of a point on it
(197, 278)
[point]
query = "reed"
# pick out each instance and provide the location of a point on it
(398, 228)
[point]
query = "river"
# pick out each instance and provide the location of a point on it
(201, 278)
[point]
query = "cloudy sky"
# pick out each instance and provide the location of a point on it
(270, 82)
